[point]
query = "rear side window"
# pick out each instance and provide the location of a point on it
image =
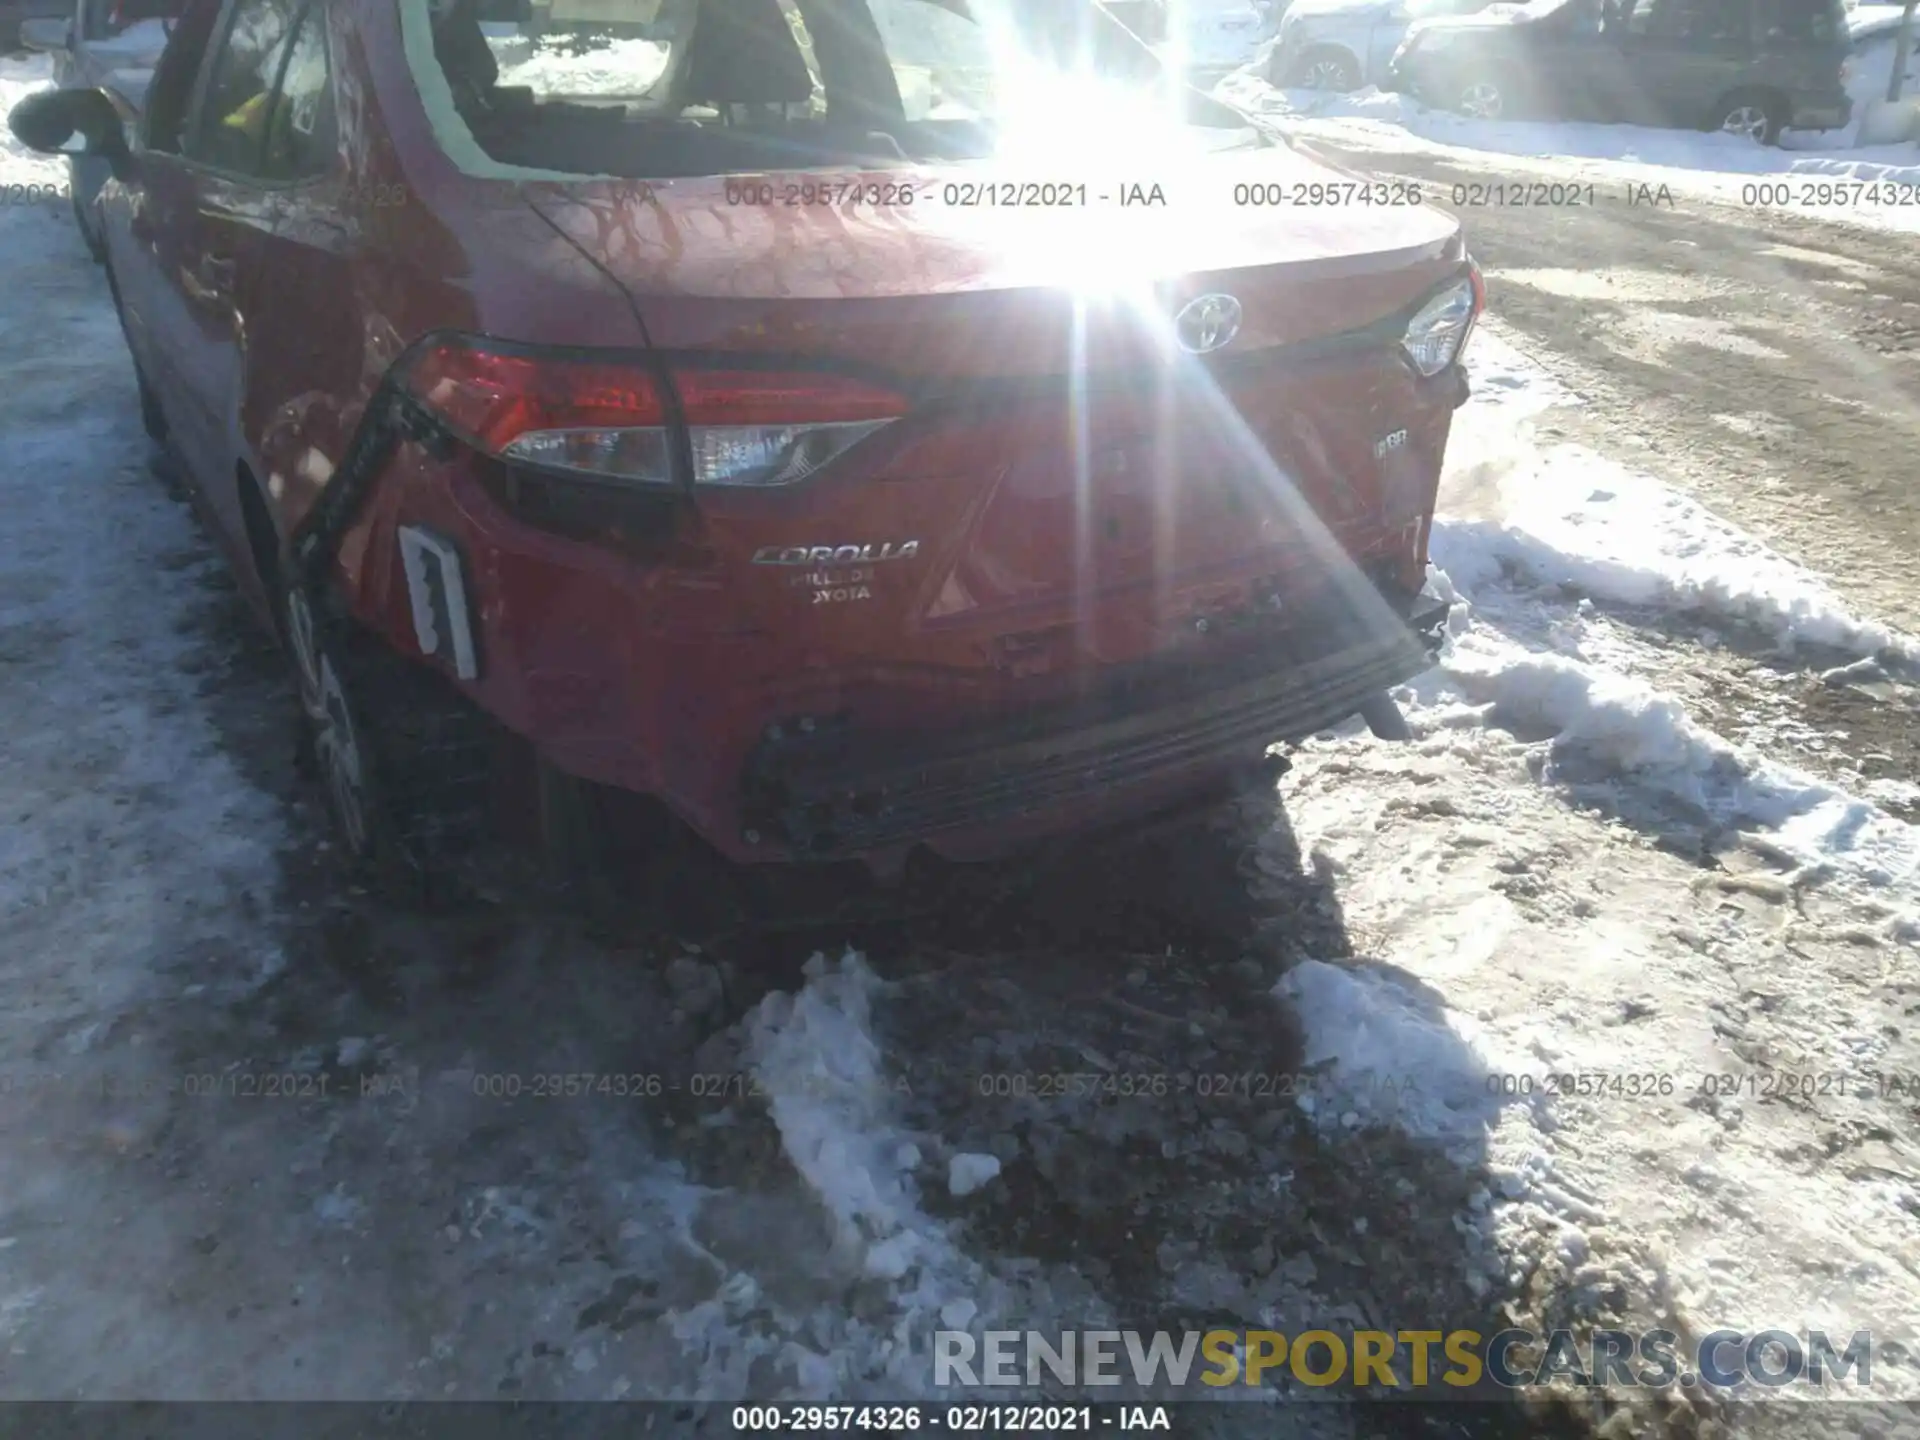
(301, 140)
(663, 88)
(1691, 22)
(1799, 22)
(231, 128)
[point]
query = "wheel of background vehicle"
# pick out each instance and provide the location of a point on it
(1482, 98)
(1328, 68)
(1752, 113)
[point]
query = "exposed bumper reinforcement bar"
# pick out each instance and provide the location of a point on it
(832, 794)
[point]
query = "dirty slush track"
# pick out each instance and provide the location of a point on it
(410, 1235)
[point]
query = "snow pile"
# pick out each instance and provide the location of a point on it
(1597, 717)
(1537, 520)
(833, 1105)
(617, 68)
(1390, 1054)
(968, 1172)
(1575, 519)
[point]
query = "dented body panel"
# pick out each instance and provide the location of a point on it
(1023, 588)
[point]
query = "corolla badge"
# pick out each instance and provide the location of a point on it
(1207, 323)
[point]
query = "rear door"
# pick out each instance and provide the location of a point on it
(1573, 62)
(218, 212)
(1799, 46)
(137, 213)
(1683, 55)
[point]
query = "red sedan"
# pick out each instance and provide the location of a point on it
(856, 424)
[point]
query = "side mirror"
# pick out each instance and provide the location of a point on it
(52, 120)
(47, 34)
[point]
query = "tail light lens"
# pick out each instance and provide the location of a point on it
(1438, 331)
(616, 422)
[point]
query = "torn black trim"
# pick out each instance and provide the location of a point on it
(393, 416)
(830, 790)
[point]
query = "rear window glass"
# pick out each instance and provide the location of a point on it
(1820, 22)
(665, 88)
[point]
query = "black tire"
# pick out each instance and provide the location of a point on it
(1754, 113)
(405, 759)
(1326, 67)
(336, 742)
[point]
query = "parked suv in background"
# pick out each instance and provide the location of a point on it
(101, 44)
(1751, 67)
(1344, 44)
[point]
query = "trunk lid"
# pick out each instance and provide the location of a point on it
(1067, 486)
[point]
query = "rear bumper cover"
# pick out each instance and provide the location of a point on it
(831, 793)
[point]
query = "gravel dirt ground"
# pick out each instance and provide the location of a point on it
(257, 1135)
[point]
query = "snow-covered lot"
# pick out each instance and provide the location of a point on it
(256, 1140)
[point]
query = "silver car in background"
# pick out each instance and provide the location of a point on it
(1345, 44)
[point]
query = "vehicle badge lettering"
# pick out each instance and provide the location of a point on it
(825, 555)
(1207, 323)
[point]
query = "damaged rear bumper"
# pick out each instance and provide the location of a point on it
(835, 792)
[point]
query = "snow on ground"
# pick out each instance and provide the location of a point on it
(1553, 520)
(1512, 970)
(1688, 162)
(100, 661)
(1566, 873)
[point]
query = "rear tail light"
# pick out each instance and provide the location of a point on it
(1438, 331)
(617, 423)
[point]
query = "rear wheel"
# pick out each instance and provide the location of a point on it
(408, 763)
(1752, 113)
(335, 735)
(1325, 69)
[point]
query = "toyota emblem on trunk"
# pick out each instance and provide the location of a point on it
(1208, 323)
